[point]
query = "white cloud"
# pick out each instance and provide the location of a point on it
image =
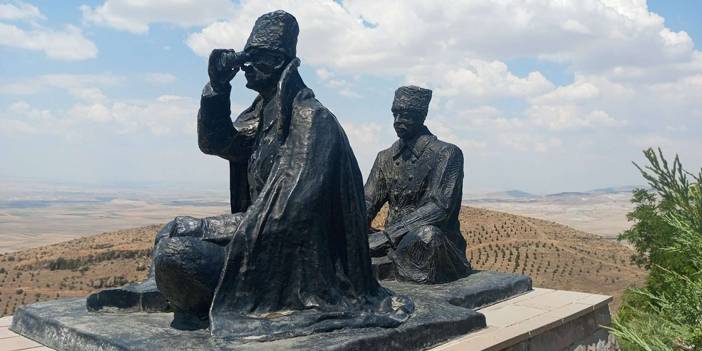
(687, 90)
(477, 79)
(81, 86)
(342, 86)
(559, 117)
(483, 117)
(137, 16)
(91, 108)
(164, 115)
(160, 78)
(447, 133)
(10, 127)
(575, 92)
(21, 117)
(687, 149)
(530, 143)
(589, 34)
(367, 139)
(65, 44)
(634, 78)
(324, 74)
(575, 26)
(167, 115)
(20, 11)
(459, 50)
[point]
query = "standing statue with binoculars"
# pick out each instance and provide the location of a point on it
(292, 258)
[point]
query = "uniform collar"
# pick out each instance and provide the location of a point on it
(417, 145)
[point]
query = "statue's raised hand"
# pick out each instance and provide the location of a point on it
(222, 66)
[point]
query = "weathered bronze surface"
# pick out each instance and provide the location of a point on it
(292, 258)
(421, 179)
(290, 267)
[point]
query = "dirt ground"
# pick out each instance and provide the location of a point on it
(553, 255)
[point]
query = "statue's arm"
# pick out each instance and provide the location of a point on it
(376, 190)
(216, 133)
(445, 192)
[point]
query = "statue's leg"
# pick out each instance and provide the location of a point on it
(144, 296)
(425, 255)
(187, 272)
(378, 244)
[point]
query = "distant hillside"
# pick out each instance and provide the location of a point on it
(74, 268)
(519, 195)
(509, 194)
(555, 256)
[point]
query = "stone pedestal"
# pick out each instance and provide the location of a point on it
(542, 319)
(443, 312)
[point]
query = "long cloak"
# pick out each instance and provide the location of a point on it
(298, 262)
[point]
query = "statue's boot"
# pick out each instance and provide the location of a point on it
(379, 247)
(187, 273)
(426, 256)
(134, 297)
(187, 249)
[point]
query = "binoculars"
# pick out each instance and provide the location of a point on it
(233, 60)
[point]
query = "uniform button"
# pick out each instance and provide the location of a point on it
(411, 177)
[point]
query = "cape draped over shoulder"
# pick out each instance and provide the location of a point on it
(299, 262)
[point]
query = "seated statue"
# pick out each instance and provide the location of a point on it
(421, 178)
(292, 258)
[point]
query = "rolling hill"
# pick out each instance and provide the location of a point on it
(554, 255)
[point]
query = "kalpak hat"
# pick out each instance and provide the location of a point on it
(276, 31)
(412, 98)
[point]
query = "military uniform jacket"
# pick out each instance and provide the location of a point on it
(422, 181)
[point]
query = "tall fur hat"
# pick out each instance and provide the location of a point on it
(277, 31)
(412, 98)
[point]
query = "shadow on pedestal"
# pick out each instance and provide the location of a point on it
(443, 312)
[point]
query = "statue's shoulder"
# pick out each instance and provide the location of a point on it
(306, 104)
(384, 156)
(439, 146)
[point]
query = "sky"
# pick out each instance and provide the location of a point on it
(541, 95)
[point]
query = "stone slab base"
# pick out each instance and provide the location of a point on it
(541, 320)
(442, 312)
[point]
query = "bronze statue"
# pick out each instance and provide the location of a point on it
(292, 258)
(421, 178)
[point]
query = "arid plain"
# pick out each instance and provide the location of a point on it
(110, 233)
(600, 211)
(37, 213)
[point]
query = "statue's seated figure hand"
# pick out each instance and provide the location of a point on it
(217, 229)
(420, 178)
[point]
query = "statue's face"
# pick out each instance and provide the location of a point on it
(263, 69)
(407, 123)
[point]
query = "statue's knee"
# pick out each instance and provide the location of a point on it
(168, 252)
(189, 254)
(165, 232)
(429, 234)
(187, 271)
(179, 227)
(187, 226)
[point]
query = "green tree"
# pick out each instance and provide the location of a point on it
(667, 234)
(650, 232)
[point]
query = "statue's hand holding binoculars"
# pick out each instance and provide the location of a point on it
(223, 66)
